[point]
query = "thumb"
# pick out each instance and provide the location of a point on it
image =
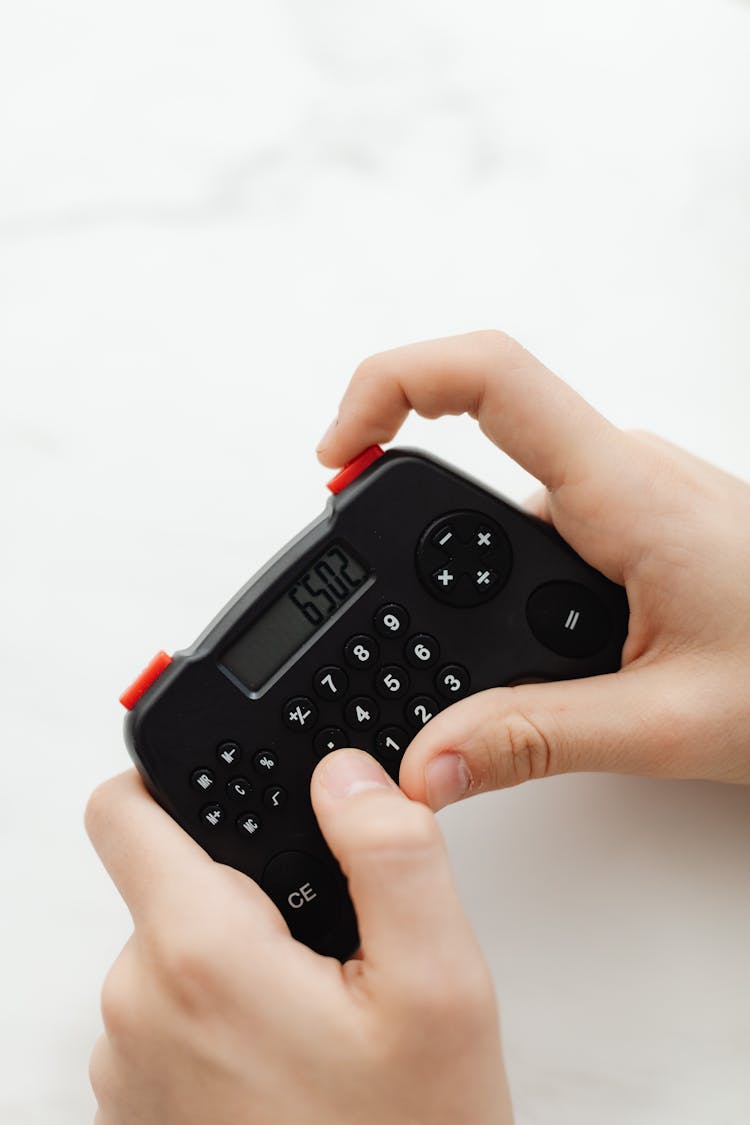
(626, 722)
(392, 853)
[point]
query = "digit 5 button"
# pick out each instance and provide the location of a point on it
(569, 619)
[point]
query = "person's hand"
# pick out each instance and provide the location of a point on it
(214, 1015)
(671, 528)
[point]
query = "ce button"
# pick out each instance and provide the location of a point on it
(306, 892)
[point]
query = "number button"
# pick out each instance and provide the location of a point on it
(452, 681)
(361, 712)
(391, 742)
(265, 761)
(202, 780)
(331, 682)
(391, 620)
(392, 681)
(328, 739)
(361, 651)
(421, 710)
(300, 712)
(238, 788)
(422, 651)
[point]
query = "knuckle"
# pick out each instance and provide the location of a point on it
(185, 966)
(499, 341)
(370, 368)
(519, 750)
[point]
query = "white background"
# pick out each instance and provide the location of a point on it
(208, 214)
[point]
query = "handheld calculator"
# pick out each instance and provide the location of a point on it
(415, 587)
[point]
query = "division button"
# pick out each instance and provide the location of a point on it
(248, 824)
(452, 681)
(361, 651)
(300, 712)
(212, 816)
(274, 798)
(202, 780)
(329, 739)
(484, 578)
(238, 788)
(228, 753)
(361, 713)
(422, 651)
(331, 682)
(569, 619)
(265, 761)
(392, 681)
(391, 742)
(307, 894)
(420, 710)
(391, 620)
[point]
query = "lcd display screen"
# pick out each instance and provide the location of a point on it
(329, 582)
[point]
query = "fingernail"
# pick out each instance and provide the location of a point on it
(350, 771)
(447, 779)
(328, 434)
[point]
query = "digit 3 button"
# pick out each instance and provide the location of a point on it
(569, 619)
(452, 682)
(307, 894)
(420, 710)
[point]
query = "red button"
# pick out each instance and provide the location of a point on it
(353, 469)
(148, 676)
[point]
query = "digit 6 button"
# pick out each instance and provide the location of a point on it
(422, 651)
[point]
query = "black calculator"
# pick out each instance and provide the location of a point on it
(415, 587)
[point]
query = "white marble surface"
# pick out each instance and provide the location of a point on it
(208, 214)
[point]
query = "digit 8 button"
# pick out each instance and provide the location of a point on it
(361, 651)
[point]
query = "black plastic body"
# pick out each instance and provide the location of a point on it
(194, 706)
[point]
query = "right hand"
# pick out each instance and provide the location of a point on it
(674, 530)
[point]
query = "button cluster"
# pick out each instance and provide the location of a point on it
(405, 687)
(464, 558)
(239, 790)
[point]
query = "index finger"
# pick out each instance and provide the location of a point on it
(536, 418)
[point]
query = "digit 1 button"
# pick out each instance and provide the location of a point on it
(248, 824)
(361, 651)
(392, 681)
(202, 780)
(452, 681)
(275, 797)
(569, 619)
(421, 710)
(391, 742)
(331, 682)
(361, 712)
(328, 739)
(391, 620)
(265, 761)
(212, 816)
(300, 712)
(422, 651)
(238, 788)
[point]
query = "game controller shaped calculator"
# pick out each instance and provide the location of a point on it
(415, 587)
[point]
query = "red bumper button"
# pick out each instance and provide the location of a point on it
(352, 470)
(148, 676)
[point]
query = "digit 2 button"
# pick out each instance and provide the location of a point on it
(421, 710)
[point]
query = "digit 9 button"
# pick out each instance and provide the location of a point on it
(464, 558)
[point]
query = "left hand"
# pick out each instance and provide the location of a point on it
(214, 1015)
